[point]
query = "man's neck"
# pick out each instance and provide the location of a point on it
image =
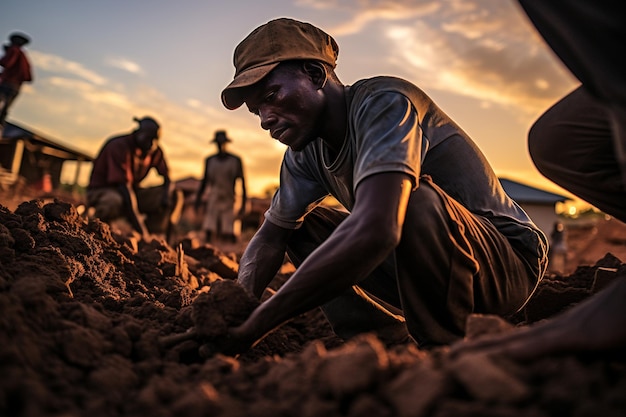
(334, 132)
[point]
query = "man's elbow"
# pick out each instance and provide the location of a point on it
(383, 239)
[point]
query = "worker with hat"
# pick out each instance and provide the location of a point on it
(426, 235)
(16, 70)
(222, 171)
(115, 191)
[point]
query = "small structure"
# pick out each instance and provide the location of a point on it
(539, 204)
(31, 158)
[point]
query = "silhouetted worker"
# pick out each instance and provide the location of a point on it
(114, 188)
(221, 172)
(16, 71)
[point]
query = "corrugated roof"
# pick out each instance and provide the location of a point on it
(522, 193)
(13, 132)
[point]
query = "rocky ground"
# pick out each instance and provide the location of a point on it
(93, 323)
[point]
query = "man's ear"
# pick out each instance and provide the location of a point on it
(317, 72)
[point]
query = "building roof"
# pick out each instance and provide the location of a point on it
(525, 194)
(36, 142)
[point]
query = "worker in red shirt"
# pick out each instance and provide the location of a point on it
(16, 71)
(114, 188)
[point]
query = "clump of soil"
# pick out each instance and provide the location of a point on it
(84, 313)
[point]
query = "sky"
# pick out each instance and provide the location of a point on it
(98, 64)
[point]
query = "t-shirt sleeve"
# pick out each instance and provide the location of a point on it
(299, 192)
(388, 137)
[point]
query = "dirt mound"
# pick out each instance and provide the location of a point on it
(84, 312)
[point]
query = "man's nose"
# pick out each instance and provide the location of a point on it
(267, 119)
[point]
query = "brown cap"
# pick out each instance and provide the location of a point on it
(272, 43)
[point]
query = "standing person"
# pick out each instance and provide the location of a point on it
(428, 236)
(16, 71)
(580, 144)
(114, 188)
(221, 172)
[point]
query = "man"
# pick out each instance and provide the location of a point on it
(16, 71)
(429, 235)
(580, 144)
(123, 162)
(221, 172)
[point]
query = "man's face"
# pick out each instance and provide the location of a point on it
(289, 106)
(146, 139)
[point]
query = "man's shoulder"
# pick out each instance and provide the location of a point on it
(383, 83)
(361, 91)
(223, 156)
(120, 142)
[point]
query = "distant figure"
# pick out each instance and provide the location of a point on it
(123, 162)
(221, 172)
(557, 253)
(16, 71)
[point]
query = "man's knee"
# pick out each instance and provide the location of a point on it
(544, 142)
(107, 205)
(425, 209)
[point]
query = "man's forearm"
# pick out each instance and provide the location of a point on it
(133, 209)
(261, 261)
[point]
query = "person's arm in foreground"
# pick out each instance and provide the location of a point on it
(360, 243)
(597, 324)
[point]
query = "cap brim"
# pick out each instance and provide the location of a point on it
(233, 95)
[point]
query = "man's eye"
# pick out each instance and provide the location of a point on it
(269, 97)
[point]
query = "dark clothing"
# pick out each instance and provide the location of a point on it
(580, 142)
(588, 37)
(466, 247)
(449, 264)
(572, 145)
(16, 71)
(119, 163)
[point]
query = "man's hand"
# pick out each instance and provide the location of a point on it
(234, 343)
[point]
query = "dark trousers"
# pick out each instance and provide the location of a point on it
(588, 36)
(449, 264)
(572, 145)
(7, 97)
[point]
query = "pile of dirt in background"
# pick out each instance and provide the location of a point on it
(84, 313)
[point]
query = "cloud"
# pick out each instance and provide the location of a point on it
(492, 55)
(482, 49)
(57, 64)
(125, 65)
(361, 13)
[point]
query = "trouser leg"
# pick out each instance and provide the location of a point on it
(572, 145)
(452, 263)
(7, 96)
(373, 305)
(149, 204)
(108, 203)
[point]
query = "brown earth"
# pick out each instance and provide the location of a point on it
(91, 324)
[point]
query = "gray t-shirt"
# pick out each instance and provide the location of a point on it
(393, 126)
